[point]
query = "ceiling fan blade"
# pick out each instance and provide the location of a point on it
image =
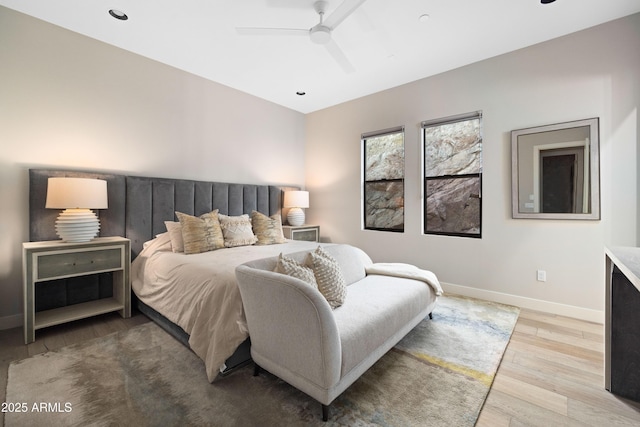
(261, 31)
(339, 56)
(342, 12)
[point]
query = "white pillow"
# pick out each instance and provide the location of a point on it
(237, 230)
(331, 282)
(175, 233)
(293, 268)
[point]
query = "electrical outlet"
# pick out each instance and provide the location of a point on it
(542, 276)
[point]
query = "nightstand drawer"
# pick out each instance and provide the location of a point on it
(309, 235)
(75, 263)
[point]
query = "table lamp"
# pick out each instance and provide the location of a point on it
(77, 196)
(296, 200)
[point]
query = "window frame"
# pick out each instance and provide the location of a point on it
(364, 137)
(476, 115)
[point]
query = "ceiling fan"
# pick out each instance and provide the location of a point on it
(320, 33)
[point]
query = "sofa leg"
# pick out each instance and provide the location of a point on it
(325, 412)
(431, 316)
(256, 370)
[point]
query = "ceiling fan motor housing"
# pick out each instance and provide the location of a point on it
(320, 34)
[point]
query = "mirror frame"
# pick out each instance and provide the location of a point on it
(594, 170)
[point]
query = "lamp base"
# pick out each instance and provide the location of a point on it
(295, 216)
(77, 225)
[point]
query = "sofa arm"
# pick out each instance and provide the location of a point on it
(291, 326)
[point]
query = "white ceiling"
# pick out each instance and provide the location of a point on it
(384, 40)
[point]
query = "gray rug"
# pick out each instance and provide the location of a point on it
(438, 375)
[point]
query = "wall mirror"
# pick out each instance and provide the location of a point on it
(555, 171)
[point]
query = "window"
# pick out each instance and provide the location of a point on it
(383, 172)
(452, 150)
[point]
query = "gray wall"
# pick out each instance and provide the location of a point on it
(72, 102)
(594, 73)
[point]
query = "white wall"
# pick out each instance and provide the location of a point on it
(67, 101)
(71, 102)
(594, 73)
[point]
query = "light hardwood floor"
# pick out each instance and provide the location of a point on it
(551, 374)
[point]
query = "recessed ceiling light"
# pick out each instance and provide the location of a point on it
(118, 14)
(423, 18)
(546, 1)
(301, 93)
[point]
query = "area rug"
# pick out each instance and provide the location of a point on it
(438, 375)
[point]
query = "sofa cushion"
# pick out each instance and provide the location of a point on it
(352, 261)
(293, 268)
(376, 308)
(329, 278)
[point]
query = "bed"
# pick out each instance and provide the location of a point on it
(138, 209)
(199, 293)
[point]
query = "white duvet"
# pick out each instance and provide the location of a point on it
(199, 292)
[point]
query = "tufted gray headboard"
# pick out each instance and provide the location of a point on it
(138, 206)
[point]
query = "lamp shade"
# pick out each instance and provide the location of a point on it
(63, 193)
(296, 199)
(77, 196)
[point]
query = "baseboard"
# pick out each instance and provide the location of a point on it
(10, 322)
(581, 313)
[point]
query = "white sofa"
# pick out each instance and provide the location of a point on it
(296, 335)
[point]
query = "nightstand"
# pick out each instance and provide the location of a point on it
(310, 233)
(52, 260)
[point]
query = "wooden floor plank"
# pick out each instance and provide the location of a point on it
(524, 413)
(587, 344)
(539, 325)
(493, 417)
(532, 393)
(526, 328)
(556, 369)
(546, 353)
(563, 322)
(558, 346)
(597, 415)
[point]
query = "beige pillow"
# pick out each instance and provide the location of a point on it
(267, 229)
(175, 234)
(293, 268)
(329, 278)
(237, 230)
(201, 234)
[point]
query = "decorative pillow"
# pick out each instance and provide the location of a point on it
(201, 234)
(175, 233)
(267, 229)
(329, 278)
(237, 230)
(293, 268)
